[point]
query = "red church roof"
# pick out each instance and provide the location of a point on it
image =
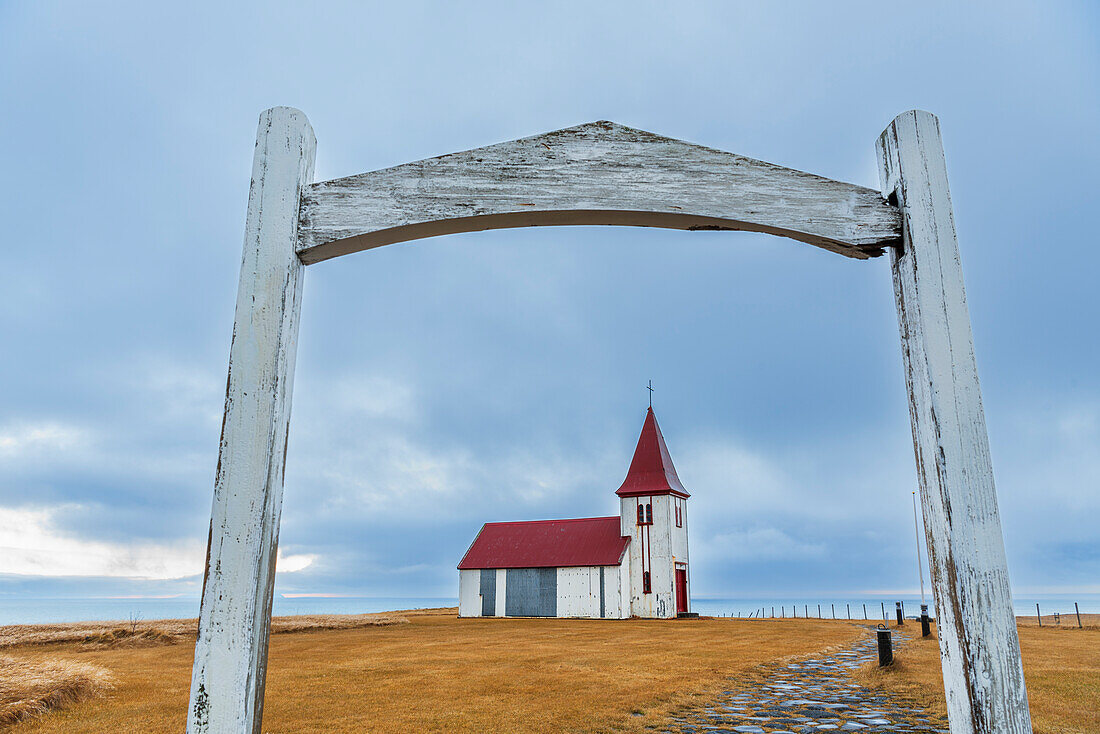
(651, 471)
(586, 541)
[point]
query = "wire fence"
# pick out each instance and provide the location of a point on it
(859, 611)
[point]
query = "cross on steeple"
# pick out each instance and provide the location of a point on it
(650, 388)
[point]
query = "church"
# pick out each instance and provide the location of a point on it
(634, 564)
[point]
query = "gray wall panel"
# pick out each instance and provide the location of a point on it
(488, 592)
(531, 592)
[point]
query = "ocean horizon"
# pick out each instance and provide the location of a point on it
(50, 610)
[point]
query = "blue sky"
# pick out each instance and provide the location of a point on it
(500, 375)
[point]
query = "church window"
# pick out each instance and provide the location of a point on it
(646, 587)
(641, 514)
(648, 513)
(679, 515)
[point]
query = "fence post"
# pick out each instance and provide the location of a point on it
(979, 643)
(230, 664)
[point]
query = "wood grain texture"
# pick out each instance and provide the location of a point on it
(979, 646)
(600, 173)
(227, 685)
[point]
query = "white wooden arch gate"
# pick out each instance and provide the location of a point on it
(604, 173)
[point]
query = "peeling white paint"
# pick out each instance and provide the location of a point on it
(227, 682)
(979, 645)
(597, 173)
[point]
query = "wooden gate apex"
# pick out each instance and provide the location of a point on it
(597, 173)
(603, 173)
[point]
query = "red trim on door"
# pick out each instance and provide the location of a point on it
(681, 590)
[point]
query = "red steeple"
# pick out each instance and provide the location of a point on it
(651, 471)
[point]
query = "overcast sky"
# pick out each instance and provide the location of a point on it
(500, 375)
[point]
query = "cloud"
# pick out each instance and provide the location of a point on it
(25, 441)
(31, 544)
(754, 544)
(499, 375)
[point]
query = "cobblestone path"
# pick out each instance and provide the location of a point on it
(810, 696)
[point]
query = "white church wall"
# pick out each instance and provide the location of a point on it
(655, 542)
(679, 534)
(680, 544)
(661, 564)
(579, 592)
(615, 579)
(469, 592)
(502, 590)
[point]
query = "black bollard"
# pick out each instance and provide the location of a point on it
(900, 622)
(885, 649)
(925, 630)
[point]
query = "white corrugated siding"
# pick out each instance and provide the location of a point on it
(469, 600)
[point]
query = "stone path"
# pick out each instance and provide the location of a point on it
(810, 696)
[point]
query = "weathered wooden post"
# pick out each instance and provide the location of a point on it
(979, 645)
(227, 682)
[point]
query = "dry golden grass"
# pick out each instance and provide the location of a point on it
(127, 637)
(30, 687)
(1088, 621)
(168, 631)
(442, 674)
(429, 671)
(1061, 668)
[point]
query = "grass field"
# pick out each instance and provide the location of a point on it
(432, 672)
(441, 674)
(1061, 669)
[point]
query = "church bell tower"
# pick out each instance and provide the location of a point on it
(653, 512)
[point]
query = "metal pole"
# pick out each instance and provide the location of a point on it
(883, 605)
(885, 649)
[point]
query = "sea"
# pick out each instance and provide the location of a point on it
(24, 610)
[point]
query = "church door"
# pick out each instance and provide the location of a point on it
(681, 590)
